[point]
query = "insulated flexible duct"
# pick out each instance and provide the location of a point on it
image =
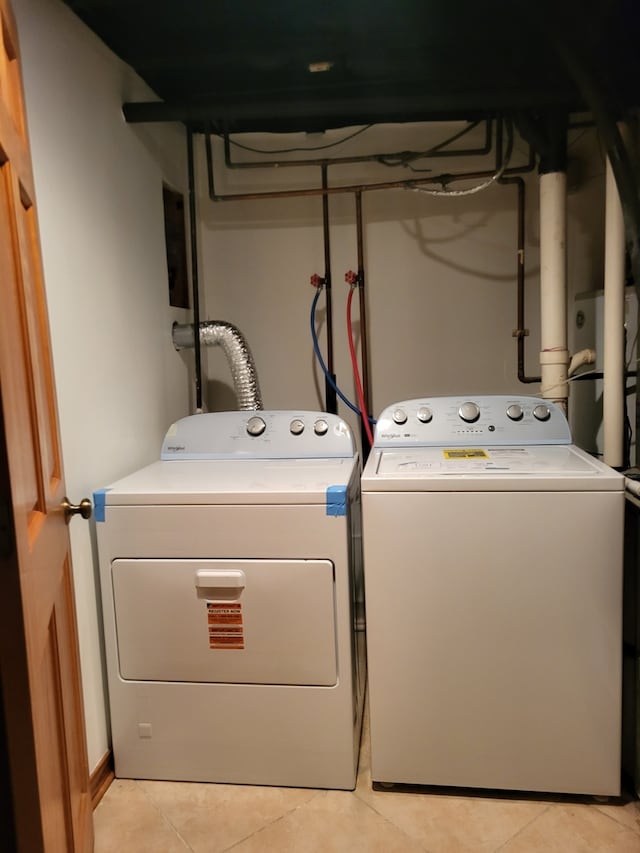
(236, 349)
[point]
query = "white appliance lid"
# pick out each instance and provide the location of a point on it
(238, 481)
(487, 468)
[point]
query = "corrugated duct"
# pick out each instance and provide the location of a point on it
(236, 349)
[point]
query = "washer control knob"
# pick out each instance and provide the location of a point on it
(399, 416)
(514, 412)
(256, 426)
(296, 426)
(469, 412)
(321, 427)
(425, 414)
(542, 413)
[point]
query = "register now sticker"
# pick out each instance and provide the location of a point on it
(226, 628)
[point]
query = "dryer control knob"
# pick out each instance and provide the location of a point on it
(296, 426)
(256, 426)
(425, 414)
(399, 416)
(514, 412)
(320, 427)
(469, 412)
(542, 413)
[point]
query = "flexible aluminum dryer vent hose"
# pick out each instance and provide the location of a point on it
(236, 349)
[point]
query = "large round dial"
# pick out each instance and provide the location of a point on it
(542, 413)
(469, 412)
(514, 412)
(256, 426)
(320, 427)
(424, 414)
(296, 426)
(400, 416)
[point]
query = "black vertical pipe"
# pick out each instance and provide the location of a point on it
(521, 332)
(194, 269)
(331, 398)
(364, 344)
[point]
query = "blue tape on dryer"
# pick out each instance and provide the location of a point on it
(99, 500)
(337, 500)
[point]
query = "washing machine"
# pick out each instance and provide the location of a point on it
(230, 571)
(493, 587)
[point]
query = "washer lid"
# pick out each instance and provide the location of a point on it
(474, 468)
(238, 481)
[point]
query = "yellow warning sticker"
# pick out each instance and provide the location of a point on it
(465, 453)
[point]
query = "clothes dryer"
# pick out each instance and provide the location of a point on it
(229, 573)
(493, 577)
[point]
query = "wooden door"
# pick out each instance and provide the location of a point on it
(43, 715)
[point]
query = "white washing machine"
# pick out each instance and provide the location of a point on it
(493, 586)
(229, 573)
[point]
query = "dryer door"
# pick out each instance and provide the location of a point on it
(238, 621)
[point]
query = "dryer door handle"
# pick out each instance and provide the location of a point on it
(220, 579)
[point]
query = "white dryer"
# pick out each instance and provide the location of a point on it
(493, 579)
(229, 573)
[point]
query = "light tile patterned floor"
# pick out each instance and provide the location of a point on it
(180, 817)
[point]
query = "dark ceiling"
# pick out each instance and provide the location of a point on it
(239, 65)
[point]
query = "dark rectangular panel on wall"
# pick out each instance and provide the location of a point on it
(175, 236)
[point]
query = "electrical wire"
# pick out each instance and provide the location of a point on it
(356, 371)
(316, 348)
(296, 150)
(399, 159)
(443, 179)
(574, 378)
(403, 158)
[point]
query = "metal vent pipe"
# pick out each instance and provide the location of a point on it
(236, 349)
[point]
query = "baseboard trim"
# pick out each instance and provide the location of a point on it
(101, 778)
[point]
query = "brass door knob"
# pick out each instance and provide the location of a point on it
(84, 508)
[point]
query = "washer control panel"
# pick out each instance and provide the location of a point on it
(459, 421)
(259, 435)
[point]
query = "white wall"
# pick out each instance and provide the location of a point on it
(441, 272)
(99, 182)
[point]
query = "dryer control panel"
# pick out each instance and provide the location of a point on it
(458, 421)
(259, 435)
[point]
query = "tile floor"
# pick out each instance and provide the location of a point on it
(181, 817)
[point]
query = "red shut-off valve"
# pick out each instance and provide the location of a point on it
(352, 278)
(316, 281)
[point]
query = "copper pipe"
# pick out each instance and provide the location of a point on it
(410, 183)
(399, 156)
(520, 332)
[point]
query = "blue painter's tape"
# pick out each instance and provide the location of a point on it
(99, 498)
(337, 500)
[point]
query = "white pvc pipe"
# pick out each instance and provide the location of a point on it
(613, 402)
(632, 486)
(579, 359)
(554, 355)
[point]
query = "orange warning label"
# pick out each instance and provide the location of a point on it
(226, 629)
(226, 643)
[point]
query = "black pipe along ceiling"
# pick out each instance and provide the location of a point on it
(294, 65)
